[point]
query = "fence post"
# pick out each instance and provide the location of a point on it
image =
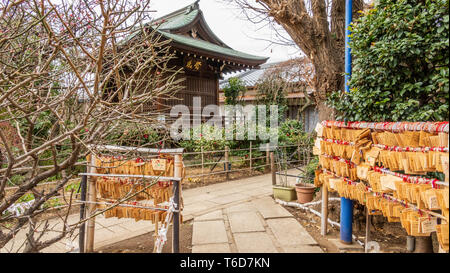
(272, 169)
(81, 235)
(250, 156)
(267, 158)
(227, 169)
(92, 197)
(203, 161)
(178, 165)
(308, 153)
(367, 230)
(155, 235)
(324, 220)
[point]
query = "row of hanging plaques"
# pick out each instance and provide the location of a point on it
(347, 155)
(394, 210)
(410, 162)
(145, 196)
(163, 166)
(412, 139)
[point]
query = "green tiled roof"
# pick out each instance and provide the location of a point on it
(178, 21)
(171, 22)
(201, 44)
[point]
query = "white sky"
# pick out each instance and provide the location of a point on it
(232, 28)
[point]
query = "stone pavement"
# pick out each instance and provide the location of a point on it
(255, 226)
(234, 216)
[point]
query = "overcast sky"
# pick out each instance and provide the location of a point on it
(232, 28)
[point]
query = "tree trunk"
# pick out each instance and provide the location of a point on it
(327, 80)
(320, 38)
(325, 112)
(423, 245)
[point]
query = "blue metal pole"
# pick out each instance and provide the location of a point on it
(347, 204)
(346, 220)
(348, 56)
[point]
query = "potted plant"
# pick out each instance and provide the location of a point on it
(305, 188)
(284, 191)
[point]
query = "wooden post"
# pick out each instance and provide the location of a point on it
(156, 225)
(227, 169)
(250, 156)
(178, 166)
(367, 229)
(203, 162)
(272, 169)
(423, 244)
(92, 197)
(308, 152)
(324, 219)
(82, 234)
(176, 217)
(267, 158)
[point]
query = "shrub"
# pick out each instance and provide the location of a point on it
(134, 135)
(400, 63)
(291, 132)
(233, 90)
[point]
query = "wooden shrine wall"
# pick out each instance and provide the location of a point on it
(203, 83)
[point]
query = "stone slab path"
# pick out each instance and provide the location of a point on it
(255, 226)
(234, 216)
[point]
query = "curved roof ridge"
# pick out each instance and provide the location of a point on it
(180, 11)
(209, 46)
(185, 16)
(210, 31)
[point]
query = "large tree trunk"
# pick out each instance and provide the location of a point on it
(327, 80)
(325, 112)
(320, 40)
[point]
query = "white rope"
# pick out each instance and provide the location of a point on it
(320, 201)
(161, 239)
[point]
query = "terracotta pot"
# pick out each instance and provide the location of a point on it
(304, 193)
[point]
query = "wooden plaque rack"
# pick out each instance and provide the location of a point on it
(89, 202)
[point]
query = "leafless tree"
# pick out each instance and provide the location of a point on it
(291, 76)
(298, 71)
(318, 28)
(71, 74)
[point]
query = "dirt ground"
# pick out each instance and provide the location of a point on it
(388, 243)
(145, 243)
